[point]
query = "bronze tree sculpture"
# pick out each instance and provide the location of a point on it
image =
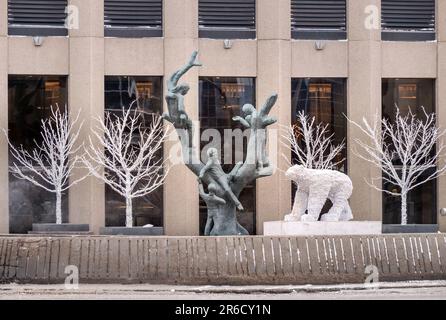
(255, 165)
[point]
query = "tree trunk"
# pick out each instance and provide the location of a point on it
(225, 223)
(403, 207)
(58, 207)
(128, 213)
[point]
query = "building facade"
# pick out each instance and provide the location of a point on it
(357, 57)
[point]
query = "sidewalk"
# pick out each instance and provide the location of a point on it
(397, 290)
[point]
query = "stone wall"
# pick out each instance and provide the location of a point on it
(224, 260)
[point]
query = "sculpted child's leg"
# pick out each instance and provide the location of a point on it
(209, 225)
(224, 184)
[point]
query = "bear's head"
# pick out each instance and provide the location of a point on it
(294, 172)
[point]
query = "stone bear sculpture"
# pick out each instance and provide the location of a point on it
(314, 188)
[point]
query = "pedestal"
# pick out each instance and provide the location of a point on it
(299, 228)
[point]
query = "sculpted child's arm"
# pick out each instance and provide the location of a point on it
(173, 80)
(245, 123)
(205, 169)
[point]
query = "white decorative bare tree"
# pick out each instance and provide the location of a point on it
(126, 155)
(406, 150)
(316, 149)
(50, 164)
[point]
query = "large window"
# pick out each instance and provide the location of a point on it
(120, 92)
(37, 18)
(315, 19)
(421, 202)
(142, 18)
(221, 99)
(222, 19)
(29, 101)
(325, 99)
(408, 20)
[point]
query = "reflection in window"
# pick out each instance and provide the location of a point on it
(146, 95)
(221, 99)
(421, 202)
(29, 101)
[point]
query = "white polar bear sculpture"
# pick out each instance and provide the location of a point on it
(314, 188)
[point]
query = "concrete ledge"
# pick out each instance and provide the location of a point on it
(299, 228)
(244, 260)
(135, 231)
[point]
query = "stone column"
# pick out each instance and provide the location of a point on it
(181, 210)
(364, 99)
(4, 188)
(86, 93)
(441, 101)
(274, 76)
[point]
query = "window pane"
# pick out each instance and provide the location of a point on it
(29, 101)
(221, 99)
(409, 94)
(121, 91)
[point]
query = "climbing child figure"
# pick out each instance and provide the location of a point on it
(212, 203)
(213, 168)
